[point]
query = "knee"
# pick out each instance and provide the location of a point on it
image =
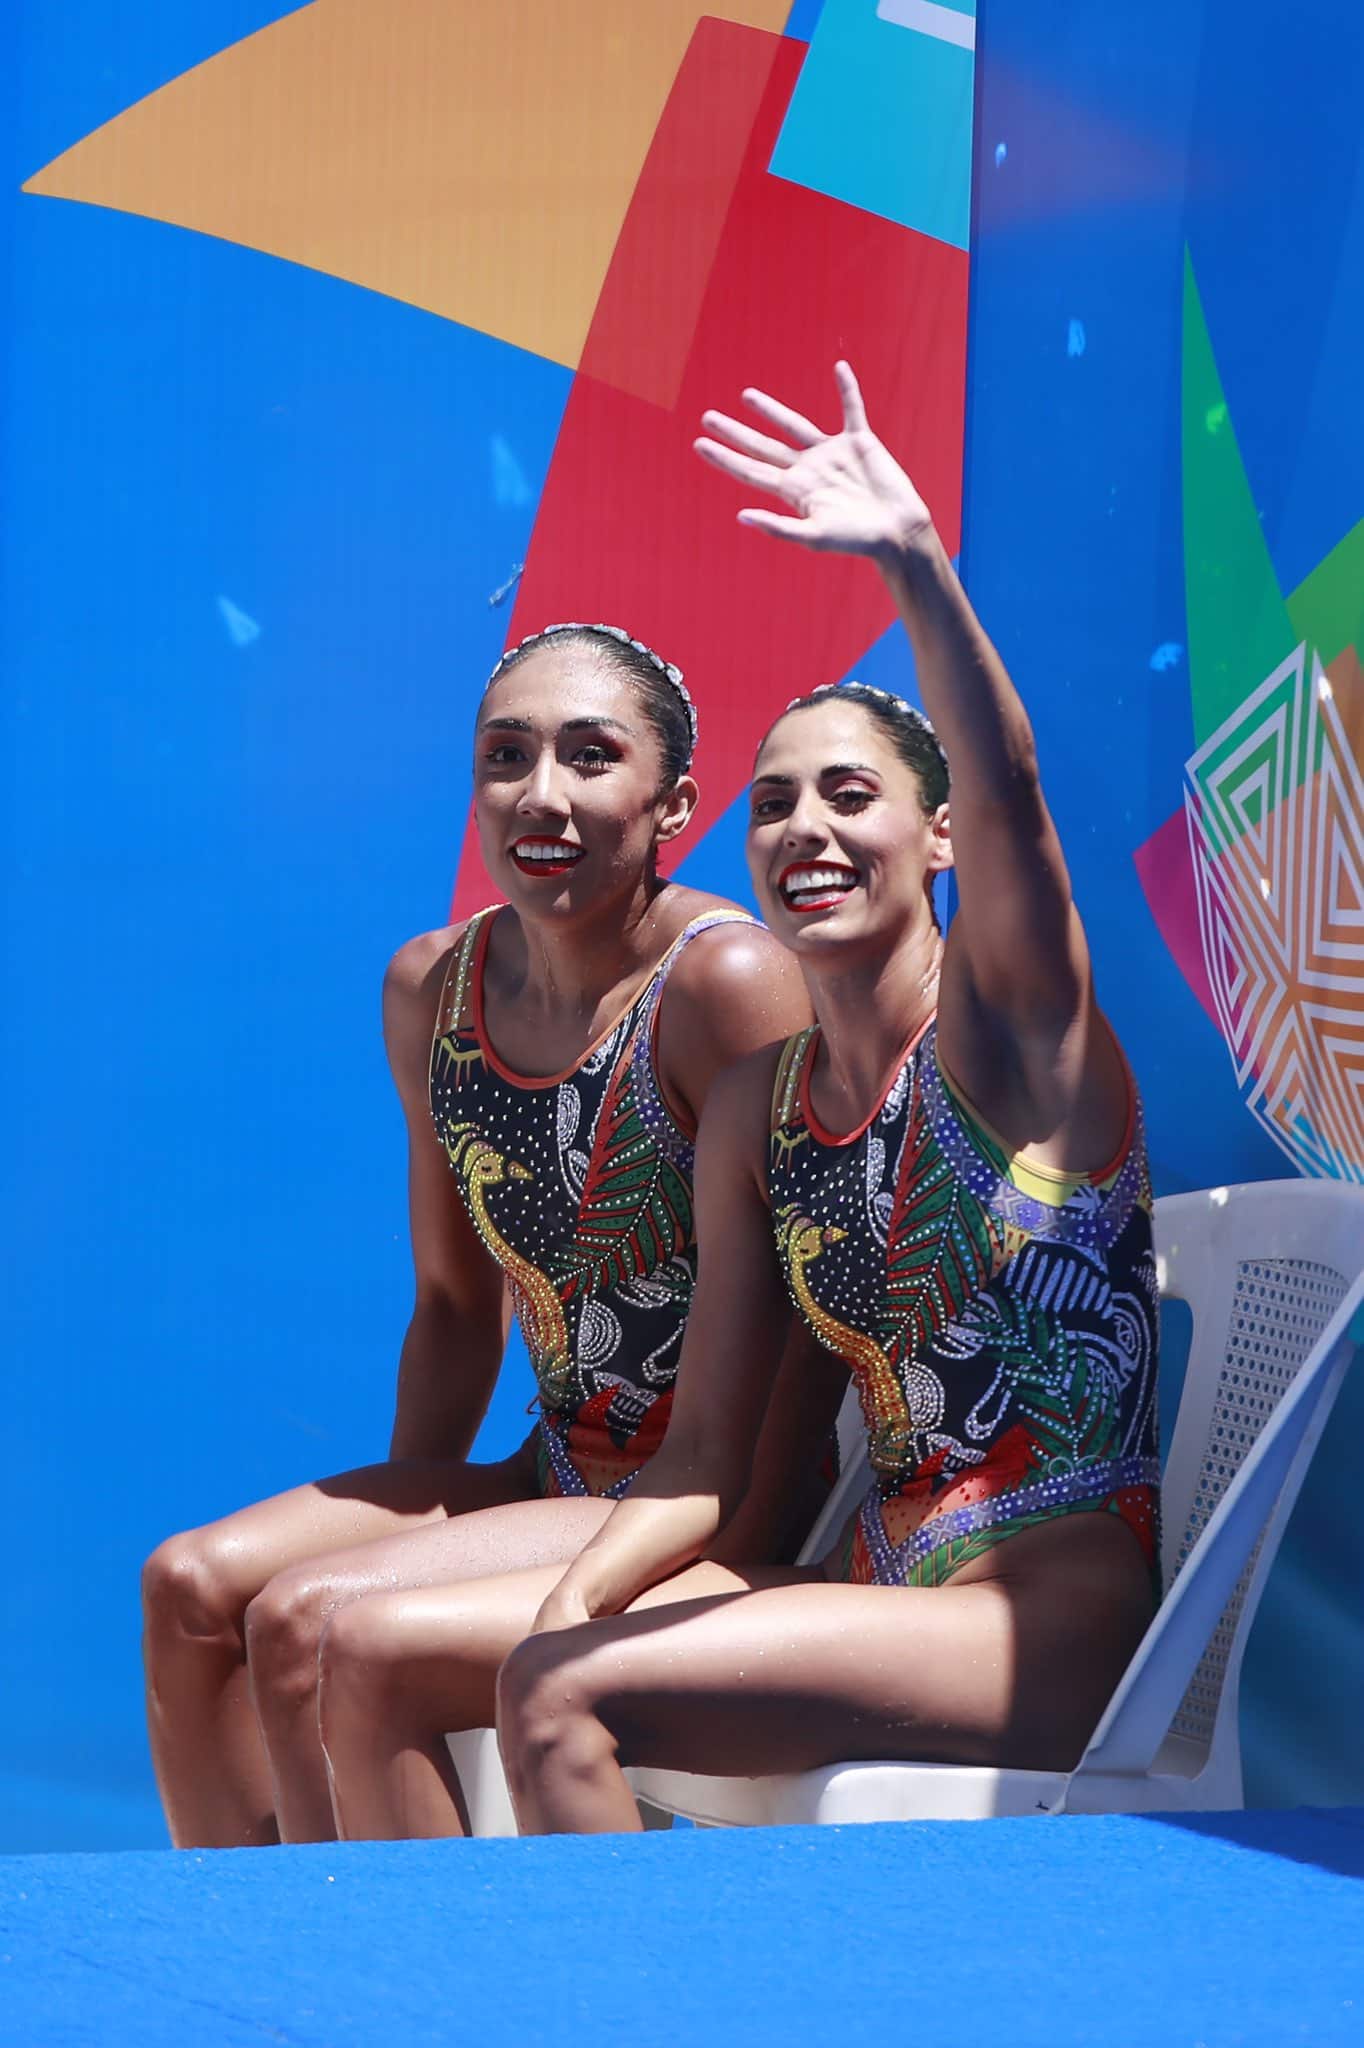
(548, 1712)
(359, 1669)
(190, 1589)
(283, 1629)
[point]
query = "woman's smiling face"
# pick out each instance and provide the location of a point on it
(567, 774)
(839, 846)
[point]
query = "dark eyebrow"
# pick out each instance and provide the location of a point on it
(597, 724)
(569, 725)
(834, 768)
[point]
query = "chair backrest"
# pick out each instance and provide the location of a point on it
(1265, 1268)
(848, 1489)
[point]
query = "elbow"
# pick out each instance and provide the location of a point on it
(690, 1467)
(731, 1491)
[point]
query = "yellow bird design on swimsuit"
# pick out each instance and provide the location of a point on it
(481, 1167)
(580, 1186)
(799, 1243)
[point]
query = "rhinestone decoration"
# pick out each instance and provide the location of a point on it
(600, 1286)
(1003, 1345)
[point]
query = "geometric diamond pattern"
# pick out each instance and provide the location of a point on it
(1274, 805)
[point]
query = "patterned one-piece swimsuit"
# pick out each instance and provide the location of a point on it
(580, 1185)
(1000, 1322)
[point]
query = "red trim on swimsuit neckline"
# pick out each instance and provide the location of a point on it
(807, 1109)
(509, 1074)
(485, 1044)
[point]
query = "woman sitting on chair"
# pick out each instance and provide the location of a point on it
(552, 1057)
(947, 1175)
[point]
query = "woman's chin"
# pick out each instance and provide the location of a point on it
(801, 930)
(539, 895)
(850, 925)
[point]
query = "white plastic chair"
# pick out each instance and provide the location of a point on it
(474, 1752)
(1273, 1272)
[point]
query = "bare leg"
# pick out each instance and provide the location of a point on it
(398, 1671)
(285, 1623)
(210, 1766)
(747, 1673)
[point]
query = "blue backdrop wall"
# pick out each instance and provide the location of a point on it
(258, 516)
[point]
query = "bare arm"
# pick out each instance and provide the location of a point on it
(1018, 939)
(452, 1351)
(733, 990)
(1016, 979)
(730, 1355)
(788, 1485)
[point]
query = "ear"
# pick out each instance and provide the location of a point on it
(675, 808)
(940, 854)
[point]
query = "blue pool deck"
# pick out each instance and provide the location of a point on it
(1205, 1931)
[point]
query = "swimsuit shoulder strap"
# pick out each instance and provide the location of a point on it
(646, 1004)
(703, 923)
(674, 1128)
(786, 1084)
(466, 957)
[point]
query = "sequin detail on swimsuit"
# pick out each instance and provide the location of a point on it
(1003, 1344)
(580, 1187)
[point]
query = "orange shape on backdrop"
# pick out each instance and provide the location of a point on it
(473, 160)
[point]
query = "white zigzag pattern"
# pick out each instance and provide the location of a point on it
(1274, 804)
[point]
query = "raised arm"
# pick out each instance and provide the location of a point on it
(1017, 958)
(453, 1347)
(730, 1356)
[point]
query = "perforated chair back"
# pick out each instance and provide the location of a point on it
(1267, 1269)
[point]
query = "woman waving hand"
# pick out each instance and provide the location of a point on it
(947, 1174)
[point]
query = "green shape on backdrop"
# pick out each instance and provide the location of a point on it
(1239, 629)
(1327, 608)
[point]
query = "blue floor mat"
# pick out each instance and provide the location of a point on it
(1215, 1930)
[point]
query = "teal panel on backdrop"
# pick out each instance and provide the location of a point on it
(881, 116)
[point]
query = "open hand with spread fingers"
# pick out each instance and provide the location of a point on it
(845, 492)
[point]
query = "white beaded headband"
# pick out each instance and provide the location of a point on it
(669, 670)
(900, 704)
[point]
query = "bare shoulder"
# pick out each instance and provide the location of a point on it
(412, 986)
(419, 962)
(741, 964)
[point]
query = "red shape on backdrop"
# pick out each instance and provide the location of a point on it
(1164, 867)
(632, 526)
(655, 287)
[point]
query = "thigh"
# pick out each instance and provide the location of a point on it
(740, 1674)
(542, 1536)
(247, 1549)
(435, 1649)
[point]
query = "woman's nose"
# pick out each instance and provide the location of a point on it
(805, 826)
(541, 792)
